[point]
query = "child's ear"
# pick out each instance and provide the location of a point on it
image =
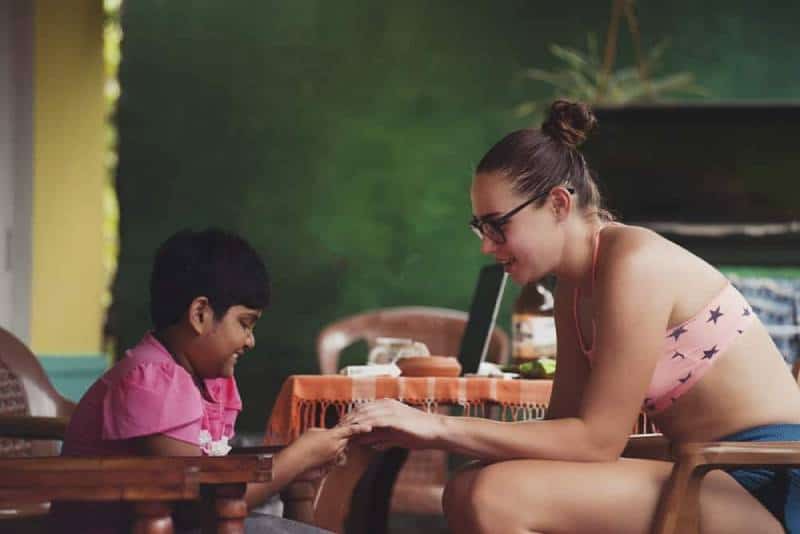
(200, 314)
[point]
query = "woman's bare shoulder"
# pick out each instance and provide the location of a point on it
(631, 237)
(623, 247)
(622, 243)
(664, 265)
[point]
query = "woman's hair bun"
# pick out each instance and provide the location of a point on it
(569, 122)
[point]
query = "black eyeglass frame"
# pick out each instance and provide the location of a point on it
(496, 224)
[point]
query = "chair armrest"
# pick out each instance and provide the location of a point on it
(33, 427)
(648, 446)
(678, 510)
(723, 454)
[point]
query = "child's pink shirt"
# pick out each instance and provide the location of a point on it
(145, 393)
(149, 393)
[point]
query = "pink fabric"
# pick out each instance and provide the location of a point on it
(145, 393)
(149, 393)
(690, 348)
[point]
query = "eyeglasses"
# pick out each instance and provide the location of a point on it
(493, 228)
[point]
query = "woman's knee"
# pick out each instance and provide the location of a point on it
(488, 493)
(510, 497)
(477, 498)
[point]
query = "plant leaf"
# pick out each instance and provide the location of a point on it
(571, 56)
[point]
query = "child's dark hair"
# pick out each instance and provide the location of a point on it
(212, 263)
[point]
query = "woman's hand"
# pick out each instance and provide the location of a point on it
(395, 424)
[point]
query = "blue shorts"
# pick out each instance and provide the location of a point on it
(778, 491)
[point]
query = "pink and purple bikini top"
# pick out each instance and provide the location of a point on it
(690, 348)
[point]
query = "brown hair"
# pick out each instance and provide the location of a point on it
(537, 160)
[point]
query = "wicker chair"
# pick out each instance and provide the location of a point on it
(25, 391)
(420, 483)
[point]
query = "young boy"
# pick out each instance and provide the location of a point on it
(174, 394)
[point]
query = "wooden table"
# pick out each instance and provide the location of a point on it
(308, 401)
(148, 483)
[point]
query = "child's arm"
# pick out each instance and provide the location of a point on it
(315, 448)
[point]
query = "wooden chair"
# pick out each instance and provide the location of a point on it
(678, 511)
(420, 483)
(31, 411)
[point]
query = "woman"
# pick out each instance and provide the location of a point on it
(642, 324)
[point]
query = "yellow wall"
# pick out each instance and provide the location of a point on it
(68, 175)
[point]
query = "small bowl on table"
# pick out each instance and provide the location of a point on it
(429, 366)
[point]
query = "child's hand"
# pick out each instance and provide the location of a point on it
(320, 447)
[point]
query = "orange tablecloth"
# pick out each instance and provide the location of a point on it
(305, 399)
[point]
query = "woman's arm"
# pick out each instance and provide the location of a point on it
(632, 310)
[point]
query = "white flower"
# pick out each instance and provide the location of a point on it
(220, 448)
(211, 447)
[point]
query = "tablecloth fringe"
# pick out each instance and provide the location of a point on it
(307, 414)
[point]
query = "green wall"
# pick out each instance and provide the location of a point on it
(73, 374)
(340, 137)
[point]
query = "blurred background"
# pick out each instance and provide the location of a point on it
(340, 138)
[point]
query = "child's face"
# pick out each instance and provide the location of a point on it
(223, 341)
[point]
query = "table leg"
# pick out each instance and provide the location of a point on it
(369, 508)
(152, 517)
(298, 500)
(227, 507)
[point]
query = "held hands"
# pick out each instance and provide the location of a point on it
(380, 424)
(322, 449)
(395, 424)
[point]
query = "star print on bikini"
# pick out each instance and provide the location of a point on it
(746, 312)
(715, 314)
(678, 355)
(685, 378)
(708, 354)
(677, 332)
